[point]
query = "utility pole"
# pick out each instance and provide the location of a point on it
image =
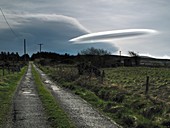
(24, 46)
(120, 53)
(25, 49)
(40, 47)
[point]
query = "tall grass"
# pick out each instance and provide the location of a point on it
(8, 84)
(122, 95)
(56, 116)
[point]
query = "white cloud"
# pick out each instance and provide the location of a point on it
(109, 36)
(16, 19)
(94, 16)
(52, 30)
(159, 57)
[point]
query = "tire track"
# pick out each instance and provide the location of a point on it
(27, 107)
(80, 112)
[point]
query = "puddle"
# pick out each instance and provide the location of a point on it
(26, 92)
(55, 88)
(43, 74)
(48, 82)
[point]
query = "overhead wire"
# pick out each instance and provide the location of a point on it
(8, 23)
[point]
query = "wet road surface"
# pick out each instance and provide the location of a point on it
(27, 107)
(80, 112)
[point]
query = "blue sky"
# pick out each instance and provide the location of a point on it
(55, 22)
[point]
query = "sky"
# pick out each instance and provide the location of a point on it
(54, 22)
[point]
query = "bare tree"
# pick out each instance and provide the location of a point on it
(135, 56)
(94, 51)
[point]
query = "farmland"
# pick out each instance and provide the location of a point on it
(8, 85)
(121, 95)
(12, 69)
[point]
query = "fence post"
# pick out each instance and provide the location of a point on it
(147, 85)
(3, 70)
(13, 70)
(102, 76)
(8, 70)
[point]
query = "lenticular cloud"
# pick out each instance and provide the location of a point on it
(112, 35)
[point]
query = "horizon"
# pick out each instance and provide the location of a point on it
(55, 24)
(63, 54)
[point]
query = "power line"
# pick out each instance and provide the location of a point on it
(8, 23)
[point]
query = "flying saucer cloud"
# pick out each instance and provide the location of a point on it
(112, 35)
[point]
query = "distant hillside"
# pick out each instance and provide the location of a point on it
(100, 61)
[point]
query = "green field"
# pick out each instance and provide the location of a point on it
(153, 107)
(56, 116)
(122, 96)
(8, 85)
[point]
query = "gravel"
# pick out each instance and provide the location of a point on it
(80, 112)
(27, 108)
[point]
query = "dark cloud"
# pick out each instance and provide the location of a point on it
(100, 15)
(54, 31)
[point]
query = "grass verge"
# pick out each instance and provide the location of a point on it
(56, 116)
(124, 103)
(8, 85)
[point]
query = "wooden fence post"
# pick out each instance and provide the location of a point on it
(3, 70)
(102, 76)
(8, 70)
(147, 85)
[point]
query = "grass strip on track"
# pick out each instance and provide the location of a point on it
(124, 105)
(56, 116)
(8, 85)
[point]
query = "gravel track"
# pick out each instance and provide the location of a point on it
(80, 112)
(27, 107)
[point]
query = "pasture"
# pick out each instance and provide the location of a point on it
(8, 85)
(122, 94)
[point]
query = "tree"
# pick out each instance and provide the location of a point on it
(135, 56)
(94, 51)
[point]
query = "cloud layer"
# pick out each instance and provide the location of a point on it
(112, 35)
(54, 31)
(96, 16)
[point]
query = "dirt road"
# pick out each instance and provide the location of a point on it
(81, 113)
(27, 107)
(28, 111)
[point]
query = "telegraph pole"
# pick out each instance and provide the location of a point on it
(24, 46)
(40, 47)
(120, 53)
(25, 49)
